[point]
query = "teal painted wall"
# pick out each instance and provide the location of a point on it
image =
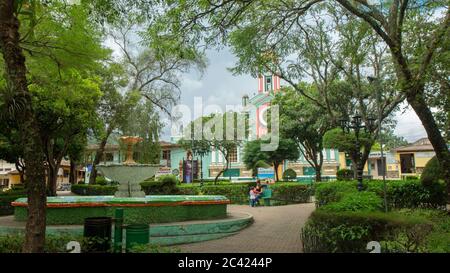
(178, 154)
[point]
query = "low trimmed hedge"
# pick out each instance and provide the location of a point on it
(328, 192)
(347, 220)
(166, 184)
(9, 196)
(357, 201)
(400, 193)
(282, 192)
(86, 189)
(344, 174)
(411, 193)
(289, 175)
(336, 232)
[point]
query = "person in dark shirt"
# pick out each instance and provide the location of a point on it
(258, 190)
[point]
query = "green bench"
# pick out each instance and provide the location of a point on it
(266, 195)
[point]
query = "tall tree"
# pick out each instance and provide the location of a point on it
(304, 123)
(113, 109)
(17, 22)
(144, 121)
(287, 150)
(220, 132)
(148, 67)
(28, 127)
(62, 78)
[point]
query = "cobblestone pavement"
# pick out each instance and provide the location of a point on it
(275, 230)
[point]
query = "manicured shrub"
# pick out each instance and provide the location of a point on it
(289, 175)
(53, 243)
(347, 219)
(9, 196)
(357, 201)
(291, 193)
(166, 184)
(344, 174)
(412, 177)
(89, 190)
(101, 180)
(400, 193)
(328, 192)
(212, 181)
(328, 231)
(18, 187)
(410, 193)
(432, 172)
(5, 203)
(238, 193)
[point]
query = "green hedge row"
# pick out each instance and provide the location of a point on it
(347, 220)
(336, 232)
(9, 196)
(86, 189)
(282, 193)
(400, 193)
(166, 184)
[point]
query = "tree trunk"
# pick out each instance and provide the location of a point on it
(275, 167)
(52, 178)
(419, 105)
(98, 156)
(318, 167)
(365, 155)
(221, 172)
(28, 128)
(73, 176)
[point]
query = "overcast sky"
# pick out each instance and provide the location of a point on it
(217, 86)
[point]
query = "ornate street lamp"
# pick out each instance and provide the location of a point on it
(356, 125)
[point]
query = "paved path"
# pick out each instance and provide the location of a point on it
(276, 229)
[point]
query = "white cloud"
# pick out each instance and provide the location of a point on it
(190, 85)
(409, 125)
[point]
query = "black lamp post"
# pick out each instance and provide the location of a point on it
(356, 125)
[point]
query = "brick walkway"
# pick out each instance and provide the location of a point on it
(275, 230)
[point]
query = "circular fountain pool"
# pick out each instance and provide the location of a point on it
(70, 210)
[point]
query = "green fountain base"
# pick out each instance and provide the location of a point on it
(72, 210)
(160, 234)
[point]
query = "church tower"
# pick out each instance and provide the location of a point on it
(268, 86)
(268, 83)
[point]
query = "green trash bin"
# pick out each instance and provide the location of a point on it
(137, 234)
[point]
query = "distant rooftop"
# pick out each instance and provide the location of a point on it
(419, 145)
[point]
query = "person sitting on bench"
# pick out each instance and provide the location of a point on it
(258, 190)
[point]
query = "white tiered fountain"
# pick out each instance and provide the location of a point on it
(129, 174)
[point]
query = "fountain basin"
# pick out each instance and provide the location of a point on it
(71, 210)
(129, 177)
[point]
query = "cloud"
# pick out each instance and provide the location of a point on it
(190, 85)
(409, 125)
